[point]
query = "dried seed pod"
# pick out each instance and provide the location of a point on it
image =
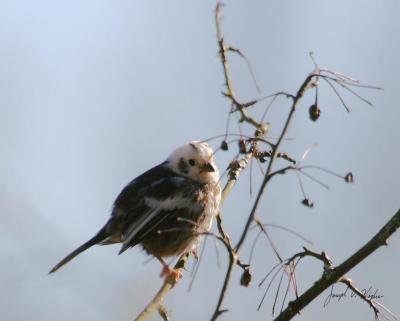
(224, 145)
(262, 156)
(233, 167)
(307, 202)
(314, 112)
(245, 279)
(287, 157)
(242, 146)
(349, 178)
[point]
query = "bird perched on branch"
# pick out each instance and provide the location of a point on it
(166, 209)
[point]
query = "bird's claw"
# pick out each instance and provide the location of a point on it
(168, 272)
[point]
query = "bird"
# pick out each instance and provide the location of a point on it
(165, 210)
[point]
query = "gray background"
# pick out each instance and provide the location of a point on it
(93, 93)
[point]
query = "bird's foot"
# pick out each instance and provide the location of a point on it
(168, 272)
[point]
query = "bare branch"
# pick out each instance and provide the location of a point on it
(361, 295)
(334, 274)
(230, 94)
(274, 154)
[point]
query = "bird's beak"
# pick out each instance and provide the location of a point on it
(207, 167)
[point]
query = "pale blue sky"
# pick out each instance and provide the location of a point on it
(93, 93)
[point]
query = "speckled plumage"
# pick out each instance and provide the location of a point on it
(166, 208)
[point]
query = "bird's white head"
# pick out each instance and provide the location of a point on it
(196, 161)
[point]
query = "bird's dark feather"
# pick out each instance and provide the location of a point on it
(158, 184)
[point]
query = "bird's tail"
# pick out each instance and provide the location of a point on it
(100, 236)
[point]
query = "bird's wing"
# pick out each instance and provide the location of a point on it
(150, 199)
(132, 193)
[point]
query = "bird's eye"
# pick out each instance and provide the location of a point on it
(192, 162)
